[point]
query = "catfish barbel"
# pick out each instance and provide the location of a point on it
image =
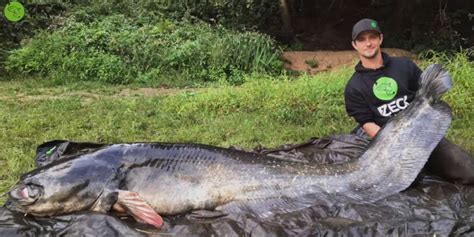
(152, 179)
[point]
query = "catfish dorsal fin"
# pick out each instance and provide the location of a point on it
(137, 207)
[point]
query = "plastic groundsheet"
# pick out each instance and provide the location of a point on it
(430, 206)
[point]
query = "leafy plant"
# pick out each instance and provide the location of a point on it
(117, 49)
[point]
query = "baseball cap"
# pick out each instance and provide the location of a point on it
(365, 25)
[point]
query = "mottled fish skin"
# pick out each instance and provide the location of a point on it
(177, 178)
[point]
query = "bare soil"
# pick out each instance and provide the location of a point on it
(312, 62)
(87, 97)
(152, 91)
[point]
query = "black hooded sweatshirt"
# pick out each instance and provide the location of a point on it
(375, 95)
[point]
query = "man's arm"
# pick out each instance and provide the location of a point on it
(357, 107)
(371, 129)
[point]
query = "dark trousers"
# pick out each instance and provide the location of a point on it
(451, 163)
(447, 160)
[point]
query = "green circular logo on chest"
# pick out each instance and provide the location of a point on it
(14, 11)
(385, 88)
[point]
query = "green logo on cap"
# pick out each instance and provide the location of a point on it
(14, 11)
(385, 88)
(373, 24)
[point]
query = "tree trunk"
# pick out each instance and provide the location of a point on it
(285, 6)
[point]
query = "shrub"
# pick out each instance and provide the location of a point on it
(117, 49)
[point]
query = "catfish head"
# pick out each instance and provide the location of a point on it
(76, 184)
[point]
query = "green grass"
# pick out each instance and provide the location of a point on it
(461, 97)
(264, 110)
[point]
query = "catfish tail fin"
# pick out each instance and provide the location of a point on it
(435, 81)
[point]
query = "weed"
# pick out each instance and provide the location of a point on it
(313, 63)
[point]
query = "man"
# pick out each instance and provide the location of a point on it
(381, 87)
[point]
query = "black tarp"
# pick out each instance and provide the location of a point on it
(430, 206)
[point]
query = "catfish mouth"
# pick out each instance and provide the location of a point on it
(27, 194)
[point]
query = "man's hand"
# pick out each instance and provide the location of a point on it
(371, 129)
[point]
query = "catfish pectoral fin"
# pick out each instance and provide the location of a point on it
(105, 201)
(137, 207)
